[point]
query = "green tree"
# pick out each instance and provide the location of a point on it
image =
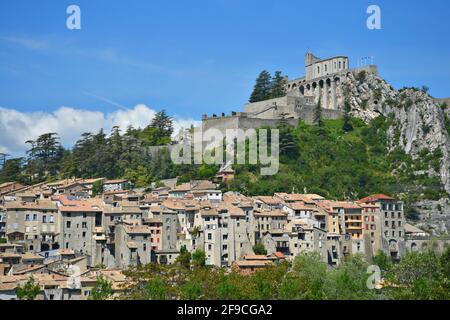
(382, 260)
(288, 145)
(44, 155)
(184, 259)
(198, 258)
(12, 170)
(259, 248)
(318, 114)
(347, 124)
(349, 281)
(307, 278)
(29, 290)
(263, 87)
(156, 289)
(97, 187)
(102, 290)
(164, 127)
(419, 275)
(278, 86)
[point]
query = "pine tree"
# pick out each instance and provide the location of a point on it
(347, 125)
(318, 114)
(278, 85)
(44, 155)
(288, 145)
(164, 126)
(262, 88)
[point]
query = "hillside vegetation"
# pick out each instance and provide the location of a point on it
(331, 160)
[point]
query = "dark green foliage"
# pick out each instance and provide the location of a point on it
(278, 86)
(119, 155)
(184, 259)
(417, 276)
(268, 87)
(13, 170)
(361, 76)
(288, 145)
(420, 275)
(29, 290)
(156, 289)
(102, 290)
(97, 187)
(318, 114)
(343, 165)
(259, 249)
(198, 258)
(382, 260)
(263, 87)
(161, 128)
(447, 123)
(347, 124)
(44, 155)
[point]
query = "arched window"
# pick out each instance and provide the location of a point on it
(302, 90)
(339, 65)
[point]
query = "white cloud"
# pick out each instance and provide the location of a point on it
(16, 127)
(26, 42)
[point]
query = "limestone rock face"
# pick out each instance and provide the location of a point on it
(418, 123)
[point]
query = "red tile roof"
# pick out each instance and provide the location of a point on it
(375, 197)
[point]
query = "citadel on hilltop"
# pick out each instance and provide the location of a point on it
(322, 82)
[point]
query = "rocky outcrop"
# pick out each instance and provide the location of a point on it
(419, 119)
(418, 124)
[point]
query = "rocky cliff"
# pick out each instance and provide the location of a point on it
(418, 127)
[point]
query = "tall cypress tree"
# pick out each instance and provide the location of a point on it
(318, 114)
(262, 88)
(347, 125)
(278, 85)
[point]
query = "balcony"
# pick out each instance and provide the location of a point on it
(354, 228)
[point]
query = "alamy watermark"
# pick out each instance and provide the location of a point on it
(235, 146)
(374, 280)
(73, 21)
(374, 20)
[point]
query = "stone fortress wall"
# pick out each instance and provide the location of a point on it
(322, 82)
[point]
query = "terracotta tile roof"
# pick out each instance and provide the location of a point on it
(255, 257)
(268, 200)
(38, 205)
(253, 263)
(375, 197)
(299, 206)
(208, 211)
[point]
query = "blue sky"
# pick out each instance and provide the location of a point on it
(194, 57)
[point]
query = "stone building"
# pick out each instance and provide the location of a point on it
(33, 225)
(133, 245)
(79, 220)
(305, 236)
(392, 223)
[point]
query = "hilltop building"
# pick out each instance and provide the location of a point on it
(323, 82)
